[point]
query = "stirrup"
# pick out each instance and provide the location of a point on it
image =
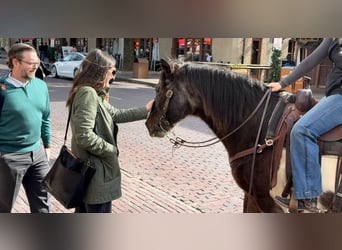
(294, 208)
(298, 206)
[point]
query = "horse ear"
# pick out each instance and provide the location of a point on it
(165, 66)
(188, 58)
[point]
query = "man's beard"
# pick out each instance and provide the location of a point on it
(29, 75)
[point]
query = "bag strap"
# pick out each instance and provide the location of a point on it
(67, 126)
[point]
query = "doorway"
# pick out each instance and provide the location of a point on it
(256, 48)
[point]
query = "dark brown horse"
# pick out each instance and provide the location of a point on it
(235, 107)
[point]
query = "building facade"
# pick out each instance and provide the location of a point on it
(235, 51)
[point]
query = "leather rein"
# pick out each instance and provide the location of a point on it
(178, 141)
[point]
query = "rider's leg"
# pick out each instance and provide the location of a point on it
(306, 171)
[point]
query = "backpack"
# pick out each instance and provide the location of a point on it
(2, 93)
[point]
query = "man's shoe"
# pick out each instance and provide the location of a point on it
(303, 204)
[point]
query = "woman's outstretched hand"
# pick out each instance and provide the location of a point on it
(149, 105)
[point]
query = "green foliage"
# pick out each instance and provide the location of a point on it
(274, 74)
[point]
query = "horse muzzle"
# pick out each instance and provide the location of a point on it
(154, 129)
(158, 127)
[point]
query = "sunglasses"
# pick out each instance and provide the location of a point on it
(113, 72)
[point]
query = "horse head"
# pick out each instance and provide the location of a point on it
(172, 100)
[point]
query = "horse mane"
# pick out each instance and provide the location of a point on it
(229, 97)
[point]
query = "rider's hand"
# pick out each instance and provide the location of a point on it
(275, 86)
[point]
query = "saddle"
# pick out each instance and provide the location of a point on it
(329, 143)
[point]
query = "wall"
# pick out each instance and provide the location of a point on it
(266, 51)
(226, 50)
(165, 45)
(91, 44)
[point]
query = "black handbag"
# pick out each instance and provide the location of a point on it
(69, 177)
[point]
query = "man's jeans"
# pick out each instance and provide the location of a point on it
(26, 168)
(306, 169)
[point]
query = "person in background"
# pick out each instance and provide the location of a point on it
(73, 49)
(43, 48)
(94, 129)
(324, 116)
(208, 57)
(42, 71)
(25, 137)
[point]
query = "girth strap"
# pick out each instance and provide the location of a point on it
(252, 150)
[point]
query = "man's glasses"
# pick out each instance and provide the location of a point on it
(32, 64)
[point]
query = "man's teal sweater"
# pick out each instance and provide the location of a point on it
(25, 117)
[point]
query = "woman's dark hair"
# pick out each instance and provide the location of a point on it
(92, 72)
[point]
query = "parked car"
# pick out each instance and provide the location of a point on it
(68, 66)
(3, 53)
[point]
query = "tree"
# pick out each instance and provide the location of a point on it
(274, 75)
(128, 54)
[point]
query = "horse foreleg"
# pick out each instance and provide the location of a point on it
(250, 205)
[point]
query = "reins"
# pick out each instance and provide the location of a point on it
(268, 94)
(179, 142)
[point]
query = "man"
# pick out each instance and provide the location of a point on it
(41, 49)
(25, 136)
(73, 49)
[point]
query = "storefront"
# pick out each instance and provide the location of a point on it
(81, 44)
(143, 47)
(193, 48)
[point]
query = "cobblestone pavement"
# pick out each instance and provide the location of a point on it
(156, 179)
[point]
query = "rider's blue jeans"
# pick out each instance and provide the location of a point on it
(306, 171)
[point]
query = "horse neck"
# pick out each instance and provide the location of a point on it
(224, 107)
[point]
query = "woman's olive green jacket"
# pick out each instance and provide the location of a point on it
(94, 138)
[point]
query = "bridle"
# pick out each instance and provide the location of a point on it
(163, 120)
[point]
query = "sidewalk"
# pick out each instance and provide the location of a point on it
(152, 80)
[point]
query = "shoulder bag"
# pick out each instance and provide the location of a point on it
(69, 176)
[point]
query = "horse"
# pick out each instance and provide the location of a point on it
(237, 109)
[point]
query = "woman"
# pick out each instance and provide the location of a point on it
(324, 116)
(94, 129)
